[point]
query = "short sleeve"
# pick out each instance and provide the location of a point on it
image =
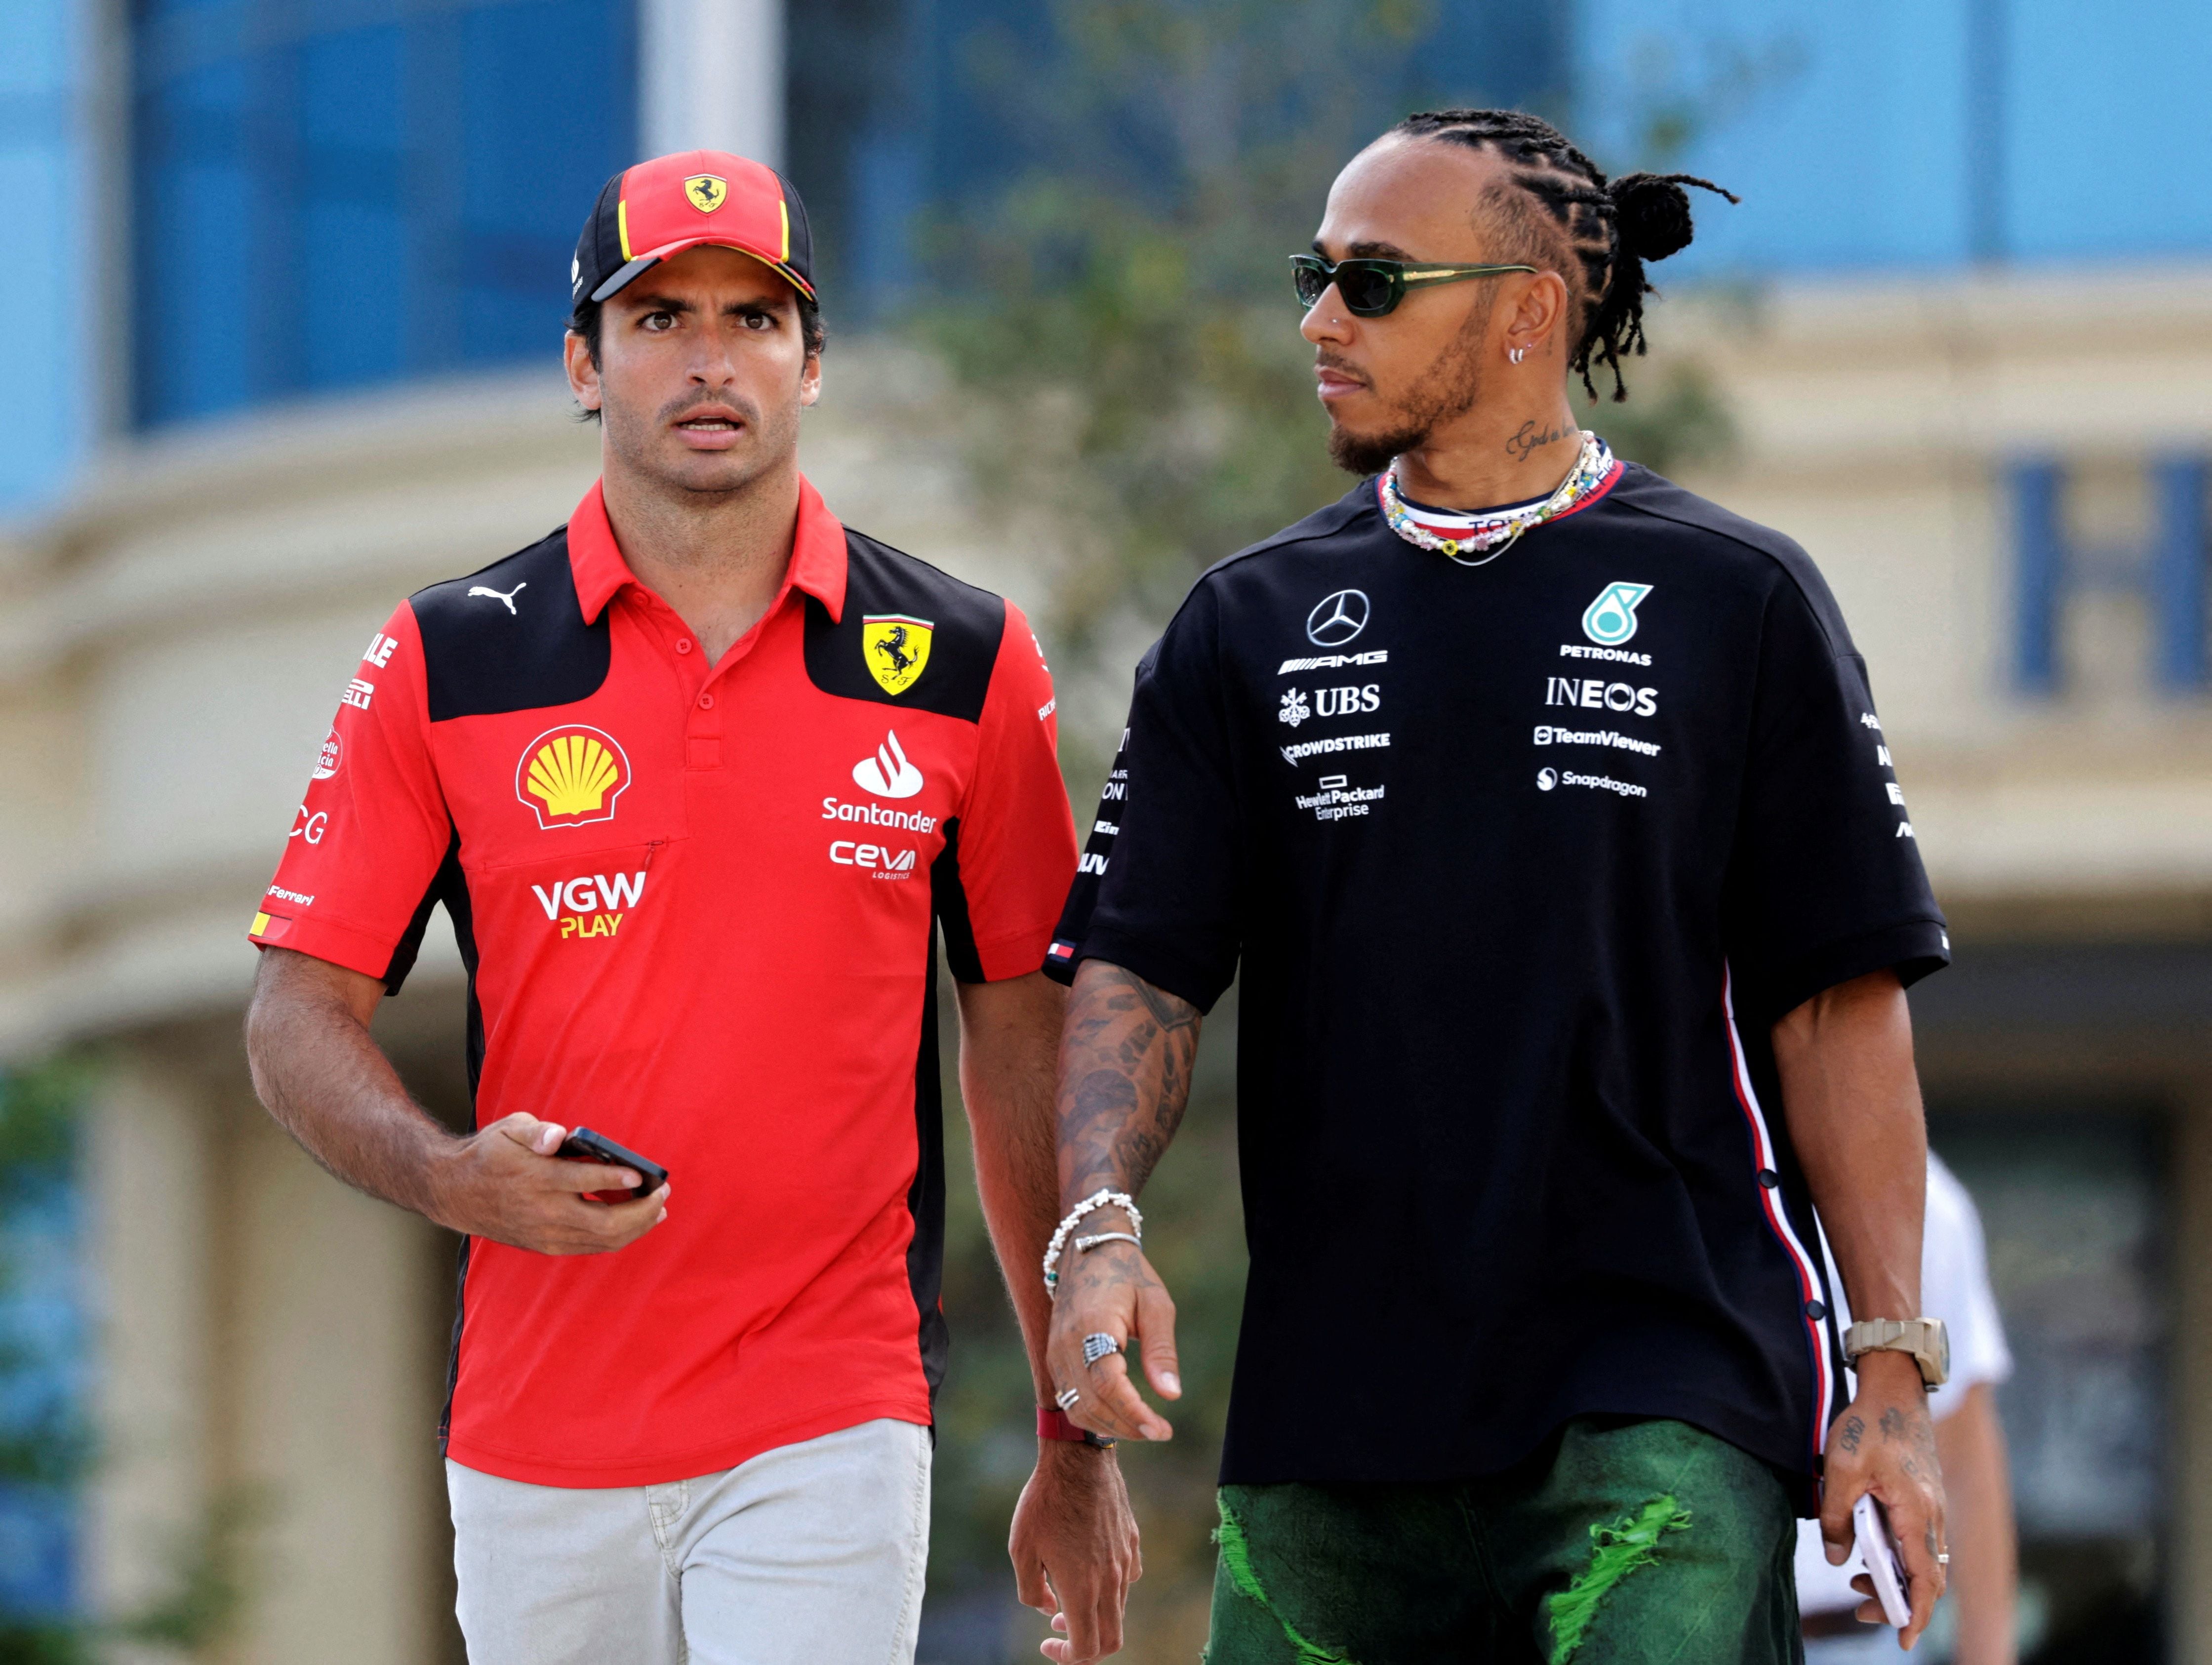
(1827, 882)
(1062, 957)
(1954, 1286)
(372, 832)
(999, 884)
(1169, 902)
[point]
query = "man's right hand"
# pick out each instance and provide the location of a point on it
(1075, 1550)
(1113, 1290)
(505, 1182)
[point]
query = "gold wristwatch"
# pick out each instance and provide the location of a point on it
(1926, 1339)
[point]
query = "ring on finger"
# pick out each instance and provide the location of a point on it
(1099, 1345)
(1066, 1398)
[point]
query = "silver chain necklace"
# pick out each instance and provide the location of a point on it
(1494, 534)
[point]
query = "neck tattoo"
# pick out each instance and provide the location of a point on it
(1456, 536)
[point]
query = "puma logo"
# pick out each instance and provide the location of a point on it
(506, 599)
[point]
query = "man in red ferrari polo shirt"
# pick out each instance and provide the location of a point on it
(698, 779)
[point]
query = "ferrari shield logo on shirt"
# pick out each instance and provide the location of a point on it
(572, 775)
(1611, 619)
(896, 649)
(707, 191)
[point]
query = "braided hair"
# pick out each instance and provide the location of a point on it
(1556, 208)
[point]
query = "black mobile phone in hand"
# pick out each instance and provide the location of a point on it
(582, 1144)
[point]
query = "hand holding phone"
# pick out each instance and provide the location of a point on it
(1870, 1522)
(582, 1144)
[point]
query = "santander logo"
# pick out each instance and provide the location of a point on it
(888, 774)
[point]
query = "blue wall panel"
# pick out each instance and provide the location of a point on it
(339, 196)
(1889, 134)
(2108, 129)
(1843, 128)
(47, 283)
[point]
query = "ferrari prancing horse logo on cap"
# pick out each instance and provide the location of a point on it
(896, 649)
(707, 191)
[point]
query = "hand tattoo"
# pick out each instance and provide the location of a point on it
(1853, 1431)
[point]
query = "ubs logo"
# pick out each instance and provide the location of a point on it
(1336, 619)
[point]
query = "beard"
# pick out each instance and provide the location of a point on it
(1450, 389)
(641, 442)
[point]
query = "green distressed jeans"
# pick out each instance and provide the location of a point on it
(1619, 1543)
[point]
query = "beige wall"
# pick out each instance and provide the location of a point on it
(272, 1349)
(1873, 417)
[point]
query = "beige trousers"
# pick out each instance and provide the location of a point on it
(805, 1555)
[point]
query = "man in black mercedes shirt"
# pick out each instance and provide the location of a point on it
(1545, 807)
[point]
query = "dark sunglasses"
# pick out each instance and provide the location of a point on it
(1373, 288)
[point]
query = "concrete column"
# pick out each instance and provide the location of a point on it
(151, 1185)
(2189, 1578)
(333, 1385)
(711, 74)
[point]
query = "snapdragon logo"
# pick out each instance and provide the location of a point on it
(1547, 780)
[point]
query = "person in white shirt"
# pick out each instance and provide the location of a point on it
(1954, 1281)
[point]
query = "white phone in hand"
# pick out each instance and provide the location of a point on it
(1870, 1521)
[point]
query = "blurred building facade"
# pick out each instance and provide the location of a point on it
(304, 268)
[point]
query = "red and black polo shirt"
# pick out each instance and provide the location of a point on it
(697, 904)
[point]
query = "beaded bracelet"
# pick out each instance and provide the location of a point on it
(1095, 1201)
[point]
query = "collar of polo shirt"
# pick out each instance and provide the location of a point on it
(817, 556)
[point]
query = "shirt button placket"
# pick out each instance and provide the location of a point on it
(703, 735)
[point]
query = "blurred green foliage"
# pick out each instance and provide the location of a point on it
(1139, 397)
(45, 1444)
(48, 1444)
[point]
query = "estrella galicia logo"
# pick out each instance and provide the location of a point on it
(1611, 619)
(1337, 618)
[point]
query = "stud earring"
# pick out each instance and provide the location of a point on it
(1517, 355)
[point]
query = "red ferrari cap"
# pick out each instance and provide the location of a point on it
(657, 208)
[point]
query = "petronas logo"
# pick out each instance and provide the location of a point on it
(1611, 619)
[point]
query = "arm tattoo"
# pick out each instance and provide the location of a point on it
(1169, 1014)
(1125, 1059)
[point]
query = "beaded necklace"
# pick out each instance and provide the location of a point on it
(1493, 534)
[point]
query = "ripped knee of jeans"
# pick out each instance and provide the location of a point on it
(1616, 1551)
(1236, 1561)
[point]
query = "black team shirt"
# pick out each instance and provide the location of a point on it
(1520, 861)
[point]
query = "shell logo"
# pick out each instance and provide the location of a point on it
(572, 775)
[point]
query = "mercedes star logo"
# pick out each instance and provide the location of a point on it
(1337, 618)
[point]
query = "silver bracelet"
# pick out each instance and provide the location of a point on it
(1085, 1245)
(1091, 1203)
